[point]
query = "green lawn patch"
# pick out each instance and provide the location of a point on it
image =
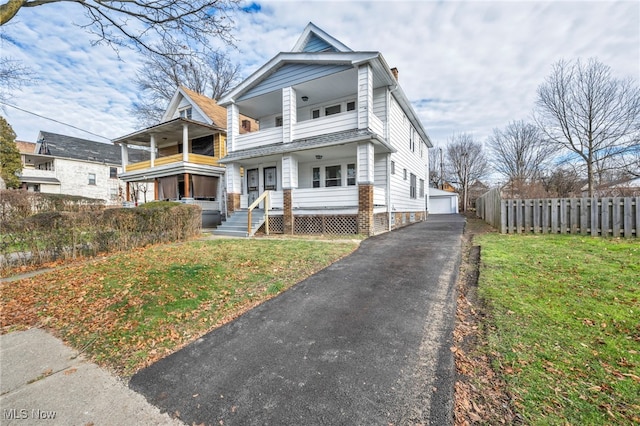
(564, 325)
(129, 309)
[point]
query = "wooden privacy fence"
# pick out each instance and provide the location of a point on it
(607, 216)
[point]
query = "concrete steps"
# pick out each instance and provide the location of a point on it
(236, 224)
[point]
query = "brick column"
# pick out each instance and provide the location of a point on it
(288, 211)
(233, 202)
(365, 209)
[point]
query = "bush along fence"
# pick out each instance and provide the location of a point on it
(50, 236)
(607, 216)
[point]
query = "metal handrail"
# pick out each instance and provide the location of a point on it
(265, 197)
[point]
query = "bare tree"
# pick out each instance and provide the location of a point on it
(583, 109)
(13, 75)
(159, 77)
(146, 24)
(466, 162)
(518, 153)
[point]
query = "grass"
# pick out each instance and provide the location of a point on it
(130, 309)
(564, 325)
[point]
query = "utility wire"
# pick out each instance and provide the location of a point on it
(54, 120)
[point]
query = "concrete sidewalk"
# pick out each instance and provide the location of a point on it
(42, 381)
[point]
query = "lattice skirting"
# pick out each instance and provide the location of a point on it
(325, 224)
(276, 225)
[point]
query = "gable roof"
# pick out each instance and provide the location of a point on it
(70, 147)
(314, 39)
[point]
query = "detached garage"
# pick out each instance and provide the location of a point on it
(442, 202)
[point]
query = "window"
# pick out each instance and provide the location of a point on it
(393, 167)
(421, 188)
(316, 177)
(92, 178)
(279, 121)
(113, 172)
(412, 141)
(351, 106)
(405, 173)
(335, 109)
(351, 174)
(270, 178)
(412, 186)
(246, 125)
(186, 112)
(421, 148)
(333, 176)
(203, 145)
(315, 113)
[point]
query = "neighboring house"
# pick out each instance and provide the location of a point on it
(627, 187)
(185, 149)
(340, 147)
(59, 164)
(442, 202)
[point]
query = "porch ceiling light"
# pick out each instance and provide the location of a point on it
(305, 98)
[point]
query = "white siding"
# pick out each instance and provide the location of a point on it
(365, 96)
(405, 159)
(74, 179)
(334, 197)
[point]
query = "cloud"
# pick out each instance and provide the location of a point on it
(467, 66)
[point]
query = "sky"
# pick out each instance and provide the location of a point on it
(466, 66)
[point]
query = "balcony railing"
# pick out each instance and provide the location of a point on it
(170, 159)
(37, 173)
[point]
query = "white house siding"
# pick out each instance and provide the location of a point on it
(74, 179)
(380, 170)
(405, 159)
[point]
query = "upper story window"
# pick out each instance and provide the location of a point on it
(45, 166)
(333, 176)
(351, 174)
(316, 177)
(412, 139)
(315, 113)
(92, 178)
(393, 167)
(351, 106)
(186, 112)
(405, 173)
(279, 121)
(334, 109)
(203, 146)
(113, 172)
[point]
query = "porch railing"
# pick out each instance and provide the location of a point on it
(264, 197)
(176, 158)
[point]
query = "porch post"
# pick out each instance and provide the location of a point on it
(153, 150)
(289, 113)
(187, 189)
(128, 191)
(185, 142)
(124, 155)
(233, 126)
(365, 96)
(365, 168)
(234, 187)
(288, 211)
(156, 181)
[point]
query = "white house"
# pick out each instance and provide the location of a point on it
(60, 164)
(340, 148)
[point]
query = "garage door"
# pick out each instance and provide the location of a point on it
(441, 205)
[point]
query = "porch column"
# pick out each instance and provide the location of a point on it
(128, 192)
(187, 189)
(287, 201)
(153, 149)
(185, 142)
(365, 96)
(365, 167)
(289, 113)
(156, 182)
(233, 126)
(234, 187)
(124, 155)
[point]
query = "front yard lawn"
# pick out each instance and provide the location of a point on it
(130, 309)
(564, 325)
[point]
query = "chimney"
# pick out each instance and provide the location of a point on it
(394, 71)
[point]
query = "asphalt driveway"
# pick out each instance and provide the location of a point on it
(363, 342)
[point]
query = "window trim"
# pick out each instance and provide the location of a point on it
(113, 172)
(92, 179)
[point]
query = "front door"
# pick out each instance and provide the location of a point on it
(252, 185)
